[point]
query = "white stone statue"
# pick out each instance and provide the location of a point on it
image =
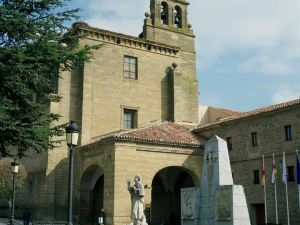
(137, 202)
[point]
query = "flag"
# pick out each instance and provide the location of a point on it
(263, 177)
(274, 170)
(284, 173)
(298, 170)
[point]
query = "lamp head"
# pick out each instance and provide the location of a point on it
(72, 133)
(15, 166)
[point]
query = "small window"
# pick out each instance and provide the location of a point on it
(256, 177)
(290, 173)
(164, 13)
(129, 119)
(177, 17)
(130, 67)
(254, 138)
(288, 132)
(229, 143)
(30, 186)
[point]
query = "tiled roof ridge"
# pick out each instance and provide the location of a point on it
(229, 111)
(126, 131)
(83, 25)
(255, 112)
(153, 141)
(103, 136)
(123, 135)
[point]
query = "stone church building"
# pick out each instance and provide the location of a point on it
(136, 102)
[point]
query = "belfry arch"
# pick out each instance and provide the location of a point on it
(165, 194)
(164, 13)
(91, 194)
(177, 17)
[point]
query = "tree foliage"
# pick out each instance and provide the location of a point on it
(35, 44)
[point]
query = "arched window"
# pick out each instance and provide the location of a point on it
(177, 17)
(164, 13)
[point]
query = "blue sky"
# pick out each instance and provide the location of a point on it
(248, 51)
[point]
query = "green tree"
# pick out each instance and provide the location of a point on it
(35, 44)
(6, 179)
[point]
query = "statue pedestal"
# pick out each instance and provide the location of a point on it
(217, 201)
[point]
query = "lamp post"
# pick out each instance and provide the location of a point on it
(15, 168)
(72, 133)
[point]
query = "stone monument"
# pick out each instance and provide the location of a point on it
(137, 202)
(218, 201)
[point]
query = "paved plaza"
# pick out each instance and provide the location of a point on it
(5, 221)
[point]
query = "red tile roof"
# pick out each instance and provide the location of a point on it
(271, 108)
(229, 111)
(166, 133)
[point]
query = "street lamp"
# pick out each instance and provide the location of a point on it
(72, 133)
(15, 168)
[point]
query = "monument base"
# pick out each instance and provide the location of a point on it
(231, 206)
(218, 201)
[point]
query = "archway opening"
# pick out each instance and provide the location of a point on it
(164, 13)
(91, 195)
(177, 17)
(165, 195)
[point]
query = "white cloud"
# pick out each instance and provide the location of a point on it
(267, 32)
(115, 15)
(286, 93)
(267, 29)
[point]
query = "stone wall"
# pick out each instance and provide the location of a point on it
(91, 158)
(96, 93)
(128, 160)
(246, 158)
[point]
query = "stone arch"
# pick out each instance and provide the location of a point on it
(165, 194)
(182, 167)
(91, 194)
(164, 13)
(177, 17)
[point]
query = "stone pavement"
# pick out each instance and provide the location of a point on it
(5, 221)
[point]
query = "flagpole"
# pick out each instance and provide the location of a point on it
(298, 178)
(287, 203)
(274, 172)
(276, 203)
(265, 191)
(284, 179)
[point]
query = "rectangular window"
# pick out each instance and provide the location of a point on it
(254, 138)
(130, 67)
(290, 173)
(30, 186)
(256, 177)
(129, 119)
(229, 143)
(288, 132)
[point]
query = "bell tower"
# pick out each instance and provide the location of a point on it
(168, 23)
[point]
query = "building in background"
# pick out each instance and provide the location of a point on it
(135, 103)
(137, 106)
(273, 129)
(209, 114)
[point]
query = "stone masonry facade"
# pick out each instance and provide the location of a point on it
(98, 93)
(151, 78)
(269, 125)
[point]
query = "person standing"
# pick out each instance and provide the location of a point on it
(26, 216)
